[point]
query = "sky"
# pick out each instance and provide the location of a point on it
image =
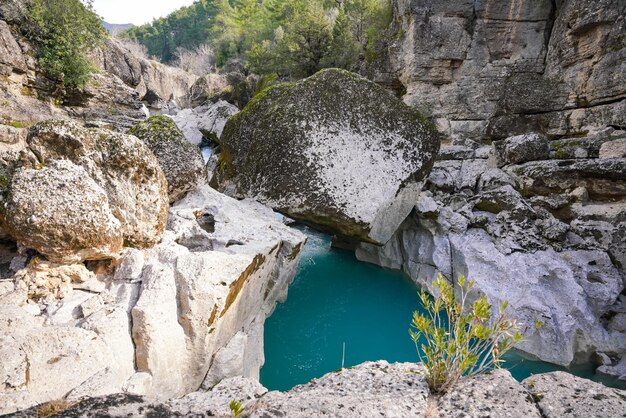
(136, 11)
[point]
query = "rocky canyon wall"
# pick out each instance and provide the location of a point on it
(493, 68)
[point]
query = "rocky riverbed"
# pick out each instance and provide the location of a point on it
(130, 287)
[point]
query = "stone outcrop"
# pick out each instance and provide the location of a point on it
(561, 394)
(78, 194)
(28, 97)
(495, 68)
(156, 322)
(205, 89)
(376, 389)
(204, 124)
(113, 98)
(335, 150)
(155, 83)
(163, 83)
(181, 161)
(547, 236)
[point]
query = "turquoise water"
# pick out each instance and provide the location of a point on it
(336, 300)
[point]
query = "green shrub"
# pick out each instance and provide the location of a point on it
(65, 31)
(455, 338)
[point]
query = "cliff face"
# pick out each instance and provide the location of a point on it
(112, 99)
(494, 68)
(535, 219)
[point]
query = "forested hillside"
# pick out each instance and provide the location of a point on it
(288, 37)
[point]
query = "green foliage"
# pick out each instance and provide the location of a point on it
(292, 38)
(188, 27)
(236, 408)
(457, 338)
(344, 49)
(66, 30)
(266, 81)
(307, 41)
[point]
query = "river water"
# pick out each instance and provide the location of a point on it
(336, 300)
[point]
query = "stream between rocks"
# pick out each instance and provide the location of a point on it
(336, 299)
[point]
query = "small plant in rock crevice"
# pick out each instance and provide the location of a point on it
(236, 408)
(455, 338)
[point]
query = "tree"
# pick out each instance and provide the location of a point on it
(66, 30)
(188, 27)
(307, 41)
(344, 49)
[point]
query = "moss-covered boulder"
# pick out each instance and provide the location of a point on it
(181, 161)
(78, 194)
(335, 150)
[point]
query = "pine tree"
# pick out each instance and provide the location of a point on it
(344, 49)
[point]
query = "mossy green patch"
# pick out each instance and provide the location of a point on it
(488, 206)
(156, 129)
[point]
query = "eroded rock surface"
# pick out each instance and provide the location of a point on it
(495, 68)
(547, 236)
(155, 322)
(561, 394)
(47, 206)
(377, 389)
(78, 194)
(334, 149)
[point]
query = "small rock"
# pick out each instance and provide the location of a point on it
(614, 149)
(520, 149)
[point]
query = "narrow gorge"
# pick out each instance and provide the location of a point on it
(249, 240)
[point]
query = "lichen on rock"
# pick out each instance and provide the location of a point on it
(334, 150)
(80, 194)
(181, 161)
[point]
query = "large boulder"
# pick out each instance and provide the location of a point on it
(181, 161)
(77, 193)
(335, 150)
(63, 213)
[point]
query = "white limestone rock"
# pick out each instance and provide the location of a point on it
(199, 290)
(560, 394)
(494, 394)
(163, 318)
(60, 200)
(205, 122)
(370, 389)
